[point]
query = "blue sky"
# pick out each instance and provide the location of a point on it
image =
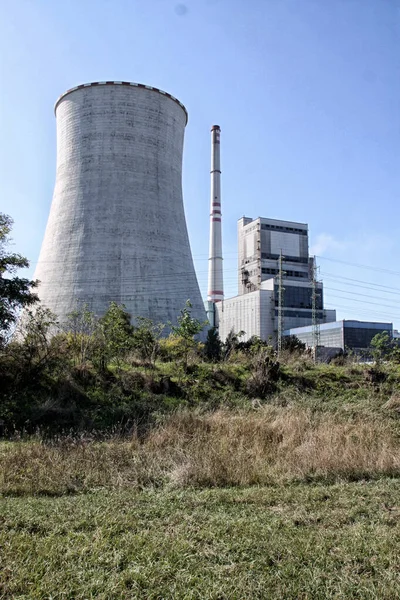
(307, 94)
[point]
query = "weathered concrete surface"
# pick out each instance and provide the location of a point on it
(117, 229)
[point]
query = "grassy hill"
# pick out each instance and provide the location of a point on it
(180, 477)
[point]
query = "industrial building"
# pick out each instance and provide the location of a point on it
(276, 282)
(117, 229)
(345, 335)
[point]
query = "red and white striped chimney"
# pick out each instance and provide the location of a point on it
(215, 273)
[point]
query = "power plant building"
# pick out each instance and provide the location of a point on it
(273, 262)
(345, 334)
(117, 229)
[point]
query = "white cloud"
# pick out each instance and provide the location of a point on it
(325, 242)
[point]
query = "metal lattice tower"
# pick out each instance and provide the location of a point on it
(281, 291)
(315, 296)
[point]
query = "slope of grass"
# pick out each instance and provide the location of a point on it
(168, 511)
(224, 448)
(293, 542)
(58, 394)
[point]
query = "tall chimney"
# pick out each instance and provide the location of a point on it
(215, 274)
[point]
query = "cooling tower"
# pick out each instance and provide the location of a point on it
(117, 229)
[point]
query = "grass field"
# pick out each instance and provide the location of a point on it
(298, 499)
(294, 542)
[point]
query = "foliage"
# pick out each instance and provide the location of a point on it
(292, 344)
(188, 327)
(385, 347)
(253, 346)
(15, 292)
(88, 377)
(170, 348)
(81, 328)
(265, 373)
(115, 335)
(231, 343)
(29, 367)
(146, 339)
(213, 345)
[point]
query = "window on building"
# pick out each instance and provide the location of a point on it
(299, 297)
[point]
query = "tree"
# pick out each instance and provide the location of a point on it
(292, 344)
(115, 334)
(146, 338)
(213, 345)
(30, 366)
(187, 329)
(81, 326)
(15, 292)
(231, 343)
(252, 345)
(384, 347)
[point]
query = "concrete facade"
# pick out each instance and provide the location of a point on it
(117, 229)
(260, 242)
(255, 310)
(252, 313)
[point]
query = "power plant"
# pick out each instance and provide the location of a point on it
(117, 229)
(277, 287)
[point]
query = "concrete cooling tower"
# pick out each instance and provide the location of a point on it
(117, 229)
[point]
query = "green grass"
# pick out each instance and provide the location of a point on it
(119, 519)
(288, 542)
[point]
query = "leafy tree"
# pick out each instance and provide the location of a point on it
(38, 328)
(15, 292)
(146, 338)
(81, 326)
(231, 343)
(253, 345)
(115, 333)
(292, 344)
(30, 366)
(384, 347)
(187, 328)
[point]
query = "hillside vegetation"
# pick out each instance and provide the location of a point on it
(109, 376)
(118, 406)
(136, 466)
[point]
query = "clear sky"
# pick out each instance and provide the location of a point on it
(307, 94)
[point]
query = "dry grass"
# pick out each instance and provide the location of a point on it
(272, 445)
(393, 403)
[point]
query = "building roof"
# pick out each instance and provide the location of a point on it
(344, 323)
